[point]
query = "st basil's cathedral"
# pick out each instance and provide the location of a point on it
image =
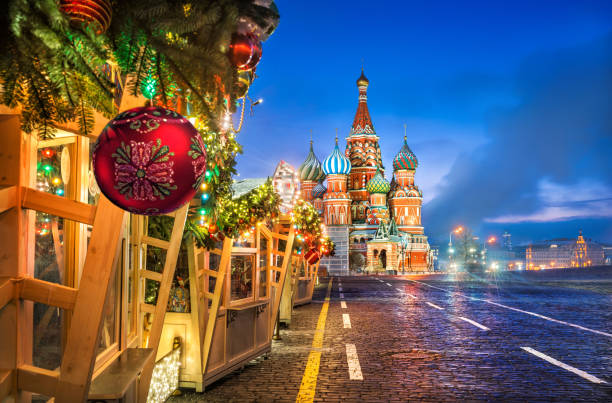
(376, 225)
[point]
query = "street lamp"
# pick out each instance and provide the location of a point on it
(451, 251)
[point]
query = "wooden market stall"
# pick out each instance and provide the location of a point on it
(234, 296)
(299, 286)
(303, 277)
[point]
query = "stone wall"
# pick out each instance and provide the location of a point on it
(338, 265)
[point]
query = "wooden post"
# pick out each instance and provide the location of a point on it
(214, 309)
(80, 352)
(197, 306)
(162, 296)
(283, 273)
(17, 164)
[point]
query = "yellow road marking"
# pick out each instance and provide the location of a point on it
(309, 380)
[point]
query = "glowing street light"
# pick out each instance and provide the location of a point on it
(492, 239)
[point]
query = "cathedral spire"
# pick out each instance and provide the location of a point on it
(362, 124)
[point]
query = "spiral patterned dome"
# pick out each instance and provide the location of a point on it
(336, 163)
(405, 159)
(378, 184)
(311, 169)
(318, 191)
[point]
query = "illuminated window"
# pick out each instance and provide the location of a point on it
(242, 276)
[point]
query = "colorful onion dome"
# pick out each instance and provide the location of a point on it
(378, 184)
(311, 169)
(405, 159)
(318, 191)
(336, 163)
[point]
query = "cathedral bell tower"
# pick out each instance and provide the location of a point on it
(311, 174)
(362, 149)
(406, 198)
(336, 202)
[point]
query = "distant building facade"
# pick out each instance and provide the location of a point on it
(564, 253)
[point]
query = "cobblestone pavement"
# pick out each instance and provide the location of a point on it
(438, 340)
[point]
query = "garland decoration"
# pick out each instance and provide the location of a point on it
(235, 217)
(310, 233)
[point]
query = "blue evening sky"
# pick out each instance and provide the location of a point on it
(508, 105)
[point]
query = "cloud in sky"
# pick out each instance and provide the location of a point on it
(548, 157)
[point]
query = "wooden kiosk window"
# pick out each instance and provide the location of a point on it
(242, 277)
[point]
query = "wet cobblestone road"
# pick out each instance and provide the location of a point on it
(437, 340)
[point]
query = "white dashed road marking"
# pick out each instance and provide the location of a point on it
(433, 305)
(566, 367)
(339, 288)
(346, 320)
(389, 284)
(550, 319)
(478, 325)
(411, 296)
(343, 304)
(522, 311)
(353, 362)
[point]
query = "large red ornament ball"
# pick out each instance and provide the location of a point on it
(245, 51)
(95, 13)
(149, 160)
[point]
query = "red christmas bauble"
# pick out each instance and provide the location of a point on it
(245, 51)
(96, 13)
(149, 160)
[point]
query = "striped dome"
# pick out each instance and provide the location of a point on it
(405, 159)
(311, 169)
(318, 191)
(336, 163)
(378, 184)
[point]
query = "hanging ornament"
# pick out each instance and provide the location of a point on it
(312, 256)
(245, 78)
(93, 13)
(149, 160)
(245, 51)
(268, 20)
